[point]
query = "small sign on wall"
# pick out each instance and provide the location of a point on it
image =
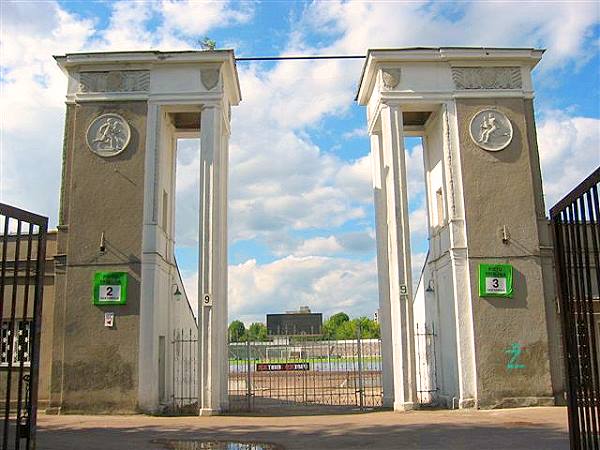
(109, 319)
(110, 288)
(495, 280)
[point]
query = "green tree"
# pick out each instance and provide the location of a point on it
(369, 329)
(333, 324)
(257, 332)
(237, 331)
(208, 43)
(340, 327)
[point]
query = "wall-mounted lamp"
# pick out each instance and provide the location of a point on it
(505, 235)
(177, 294)
(102, 243)
(430, 287)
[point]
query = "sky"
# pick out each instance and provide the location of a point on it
(301, 215)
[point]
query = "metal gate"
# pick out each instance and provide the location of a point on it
(296, 373)
(576, 225)
(23, 247)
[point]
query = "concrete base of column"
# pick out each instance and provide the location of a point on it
(209, 412)
(467, 403)
(406, 406)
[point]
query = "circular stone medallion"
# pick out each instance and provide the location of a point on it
(491, 130)
(108, 135)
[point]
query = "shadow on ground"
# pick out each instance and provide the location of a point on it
(459, 436)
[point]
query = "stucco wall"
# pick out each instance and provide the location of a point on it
(500, 190)
(94, 367)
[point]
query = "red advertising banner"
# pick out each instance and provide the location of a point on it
(279, 367)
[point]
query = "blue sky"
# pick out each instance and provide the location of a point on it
(301, 215)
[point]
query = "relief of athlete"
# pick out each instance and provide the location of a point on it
(109, 135)
(488, 126)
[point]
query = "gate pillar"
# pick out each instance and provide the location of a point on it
(125, 112)
(212, 264)
(473, 109)
(396, 312)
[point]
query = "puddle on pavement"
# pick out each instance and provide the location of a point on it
(218, 445)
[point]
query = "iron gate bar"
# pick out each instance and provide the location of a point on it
(22, 334)
(589, 313)
(576, 230)
(23, 420)
(10, 333)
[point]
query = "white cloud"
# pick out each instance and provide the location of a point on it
(280, 180)
(357, 132)
(564, 27)
(418, 223)
(355, 179)
(319, 246)
(349, 243)
(195, 18)
(127, 28)
(32, 109)
(327, 285)
(569, 150)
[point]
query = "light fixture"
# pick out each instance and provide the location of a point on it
(102, 243)
(177, 292)
(430, 286)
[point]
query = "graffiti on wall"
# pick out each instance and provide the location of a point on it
(514, 352)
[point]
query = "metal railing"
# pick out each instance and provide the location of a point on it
(299, 372)
(22, 265)
(576, 228)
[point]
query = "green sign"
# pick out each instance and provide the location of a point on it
(110, 288)
(495, 280)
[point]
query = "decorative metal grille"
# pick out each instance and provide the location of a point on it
(576, 226)
(22, 265)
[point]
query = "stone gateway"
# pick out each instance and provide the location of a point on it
(473, 109)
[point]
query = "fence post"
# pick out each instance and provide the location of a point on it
(248, 376)
(360, 379)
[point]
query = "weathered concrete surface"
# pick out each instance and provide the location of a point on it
(503, 189)
(95, 368)
(514, 429)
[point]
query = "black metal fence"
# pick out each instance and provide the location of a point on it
(300, 372)
(23, 247)
(576, 226)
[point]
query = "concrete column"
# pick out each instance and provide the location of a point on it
(383, 275)
(212, 264)
(399, 261)
(223, 334)
(465, 339)
(148, 365)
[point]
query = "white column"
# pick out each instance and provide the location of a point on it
(383, 276)
(399, 260)
(212, 264)
(465, 339)
(150, 280)
(223, 334)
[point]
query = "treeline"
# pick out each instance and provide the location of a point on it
(337, 327)
(239, 333)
